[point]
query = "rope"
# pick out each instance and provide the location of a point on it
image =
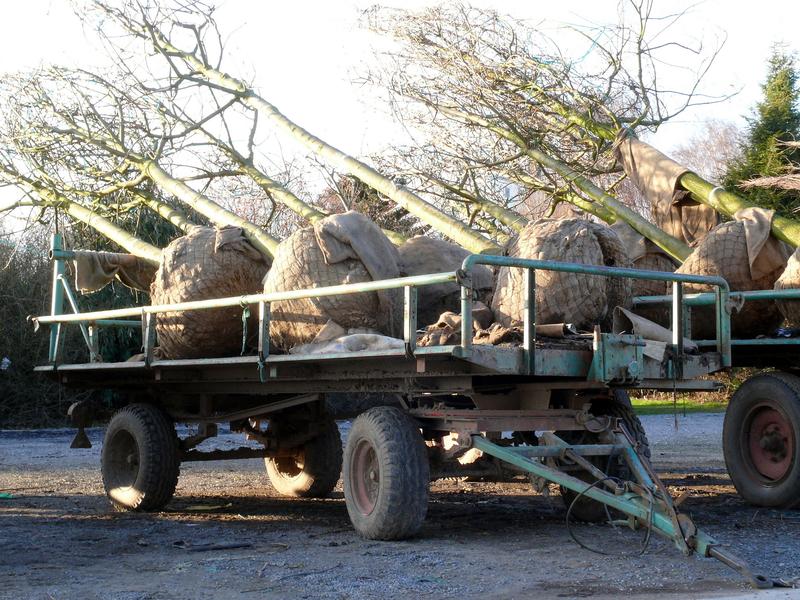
(649, 529)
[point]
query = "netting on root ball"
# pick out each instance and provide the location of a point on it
(723, 251)
(584, 300)
(790, 279)
(340, 249)
(422, 255)
(653, 261)
(203, 264)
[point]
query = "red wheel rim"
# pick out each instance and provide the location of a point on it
(366, 477)
(770, 442)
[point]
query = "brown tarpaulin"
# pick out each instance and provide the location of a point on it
(656, 176)
(95, 270)
(764, 252)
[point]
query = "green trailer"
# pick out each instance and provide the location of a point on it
(562, 402)
(761, 433)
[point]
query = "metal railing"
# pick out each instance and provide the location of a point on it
(90, 321)
(721, 299)
(737, 300)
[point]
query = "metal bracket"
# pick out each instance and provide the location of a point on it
(617, 358)
(148, 336)
(410, 320)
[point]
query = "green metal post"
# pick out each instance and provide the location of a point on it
(677, 327)
(410, 319)
(724, 325)
(529, 320)
(57, 296)
(264, 309)
(466, 314)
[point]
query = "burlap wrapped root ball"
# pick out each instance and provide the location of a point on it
(653, 261)
(723, 251)
(790, 279)
(340, 249)
(422, 255)
(584, 300)
(205, 263)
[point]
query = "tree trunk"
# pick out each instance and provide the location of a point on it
(173, 215)
(265, 243)
(727, 203)
(672, 246)
(100, 224)
(723, 201)
(445, 224)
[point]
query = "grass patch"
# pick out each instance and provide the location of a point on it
(685, 403)
(661, 403)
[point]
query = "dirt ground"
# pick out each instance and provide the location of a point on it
(59, 539)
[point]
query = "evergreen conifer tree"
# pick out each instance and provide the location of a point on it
(776, 120)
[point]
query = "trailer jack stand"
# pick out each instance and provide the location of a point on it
(645, 500)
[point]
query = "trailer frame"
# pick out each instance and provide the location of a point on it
(543, 386)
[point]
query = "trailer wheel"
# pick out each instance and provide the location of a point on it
(313, 472)
(761, 440)
(386, 475)
(139, 460)
(619, 406)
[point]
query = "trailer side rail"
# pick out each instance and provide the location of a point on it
(143, 316)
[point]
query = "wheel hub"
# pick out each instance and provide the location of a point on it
(123, 460)
(771, 443)
(366, 477)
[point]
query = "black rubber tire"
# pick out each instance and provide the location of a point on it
(396, 502)
(781, 392)
(619, 406)
(140, 463)
(315, 472)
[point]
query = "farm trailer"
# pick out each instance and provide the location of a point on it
(565, 401)
(761, 432)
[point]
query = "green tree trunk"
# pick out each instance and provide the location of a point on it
(445, 224)
(173, 215)
(264, 242)
(672, 246)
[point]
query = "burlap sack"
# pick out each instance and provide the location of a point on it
(654, 261)
(340, 249)
(644, 254)
(584, 300)
(657, 177)
(95, 270)
(789, 279)
(724, 252)
(205, 263)
(423, 255)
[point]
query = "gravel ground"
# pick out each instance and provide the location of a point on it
(58, 538)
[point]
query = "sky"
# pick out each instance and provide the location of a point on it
(304, 54)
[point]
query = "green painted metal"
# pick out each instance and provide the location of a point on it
(57, 296)
(334, 290)
(707, 298)
(61, 254)
(754, 342)
(566, 267)
(580, 449)
(617, 358)
(62, 281)
(118, 323)
(630, 503)
(722, 290)
(555, 362)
